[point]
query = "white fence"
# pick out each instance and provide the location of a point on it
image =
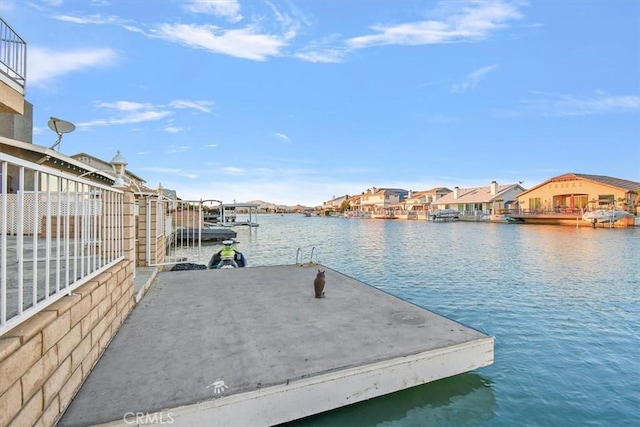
(57, 232)
(178, 226)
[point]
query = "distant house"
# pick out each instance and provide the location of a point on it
(335, 203)
(479, 200)
(380, 199)
(422, 200)
(574, 192)
(354, 202)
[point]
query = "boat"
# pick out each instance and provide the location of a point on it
(444, 214)
(513, 220)
(306, 213)
(604, 216)
(227, 257)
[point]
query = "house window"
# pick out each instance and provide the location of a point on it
(605, 199)
(535, 203)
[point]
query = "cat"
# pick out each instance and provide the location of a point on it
(318, 284)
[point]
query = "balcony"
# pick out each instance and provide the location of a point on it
(13, 70)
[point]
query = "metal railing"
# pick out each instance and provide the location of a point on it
(299, 257)
(173, 228)
(57, 232)
(13, 55)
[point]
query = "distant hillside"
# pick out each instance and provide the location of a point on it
(272, 206)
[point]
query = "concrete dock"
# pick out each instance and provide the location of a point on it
(253, 347)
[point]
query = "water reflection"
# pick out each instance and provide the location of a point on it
(465, 399)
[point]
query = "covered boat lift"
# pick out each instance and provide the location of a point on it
(228, 214)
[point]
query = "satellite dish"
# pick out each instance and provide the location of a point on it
(60, 127)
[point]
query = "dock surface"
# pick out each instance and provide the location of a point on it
(252, 346)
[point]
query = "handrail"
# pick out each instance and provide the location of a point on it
(13, 55)
(299, 257)
(55, 236)
(313, 250)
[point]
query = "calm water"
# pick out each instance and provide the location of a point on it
(563, 304)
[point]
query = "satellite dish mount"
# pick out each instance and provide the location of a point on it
(60, 127)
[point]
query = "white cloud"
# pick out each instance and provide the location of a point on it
(178, 148)
(89, 19)
(129, 117)
(472, 79)
(228, 9)
(327, 56)
(125, 105)
(329, 49)
(231, 170)
(289, 25)
(282, 136)
(459, 21)
(144, 116)
(189, 175)
(173, 129)
(45, 65)
(203, 106)
(245, 43)
(569, 105)
(211, 145)
(127, 112)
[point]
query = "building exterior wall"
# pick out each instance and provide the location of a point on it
(586, 195)
(380, 200)
(19, 126)
(11, 100)
(45, 359)
(154, 239)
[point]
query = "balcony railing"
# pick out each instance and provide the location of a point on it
(13, 56)
(57, 232)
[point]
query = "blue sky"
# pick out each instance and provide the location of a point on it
(298, 101)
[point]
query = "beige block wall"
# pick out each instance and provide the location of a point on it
(157, 243)
(44, 360)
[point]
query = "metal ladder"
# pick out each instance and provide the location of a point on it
(299, 258)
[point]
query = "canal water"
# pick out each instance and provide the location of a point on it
(563, 304)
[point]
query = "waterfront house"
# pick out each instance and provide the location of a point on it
(475, 202)
(573, 192)
(354, 205)
(335, 204)
(380, 202)
(422, 200)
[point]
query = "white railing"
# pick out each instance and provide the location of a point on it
(57, 232)
(178, 226)
(13, 55)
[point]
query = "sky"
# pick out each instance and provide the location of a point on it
(301, 101)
